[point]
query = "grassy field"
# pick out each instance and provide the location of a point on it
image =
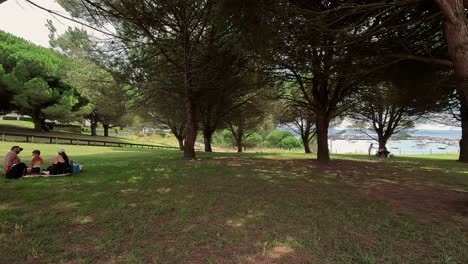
(26, 128)
(148, 206)
(17, 124)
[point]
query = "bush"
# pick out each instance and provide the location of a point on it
(254, 140)
(273, 140)
(25, 118)
(290, 142)
(228, 138)
(9, 118)
(218, 139)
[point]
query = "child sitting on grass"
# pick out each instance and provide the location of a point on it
(36, 162)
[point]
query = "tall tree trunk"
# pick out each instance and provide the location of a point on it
(191, 132)
(305, 142)
(207, 135)
(181, 142)
(179, 134)
(106, 129)
(93, 126)
(382, 140)
(456, 33)
(39, 123)
(464, 140)
(239, 144)
(322, 124)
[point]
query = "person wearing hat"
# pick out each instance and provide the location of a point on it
(13, 168)
(60, 164)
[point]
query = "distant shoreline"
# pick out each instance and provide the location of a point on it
(353, 134)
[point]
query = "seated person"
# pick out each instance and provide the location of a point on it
(13, 168)
(60, 164)
(383, 152)
(36, 162)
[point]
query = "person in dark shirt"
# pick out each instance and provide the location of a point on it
(60, 164)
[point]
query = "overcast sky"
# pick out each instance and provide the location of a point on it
(24, 20)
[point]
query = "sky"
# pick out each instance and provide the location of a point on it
(24, 20)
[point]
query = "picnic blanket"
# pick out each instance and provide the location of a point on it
(46, 175)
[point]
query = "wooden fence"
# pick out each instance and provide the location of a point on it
(17, 137)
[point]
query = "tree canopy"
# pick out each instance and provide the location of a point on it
(31, 76)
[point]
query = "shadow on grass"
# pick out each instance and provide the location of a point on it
(152, 206)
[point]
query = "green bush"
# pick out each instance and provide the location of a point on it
(290, 142)
(254, 140)
(228, 138)
(218, 139)
(25, 118)
(9, 118)
(273, 140)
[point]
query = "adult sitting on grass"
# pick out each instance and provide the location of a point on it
(13, 168)
(383, 153)
(60, 164)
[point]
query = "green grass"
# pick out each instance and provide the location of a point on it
(26, 128)
(17, 124)
(148, 206)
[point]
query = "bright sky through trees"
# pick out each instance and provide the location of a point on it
(26, 21)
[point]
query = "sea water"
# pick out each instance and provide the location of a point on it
(420, 142)
(397, 147)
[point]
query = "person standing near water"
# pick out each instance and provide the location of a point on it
(370, 148)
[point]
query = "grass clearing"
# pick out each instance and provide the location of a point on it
(150, 206)
(26, 128)
(17, 124)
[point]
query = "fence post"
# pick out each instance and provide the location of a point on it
(50, 140)
(56, 140)
(3, 136)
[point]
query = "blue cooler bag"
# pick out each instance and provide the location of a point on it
(76, 168)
